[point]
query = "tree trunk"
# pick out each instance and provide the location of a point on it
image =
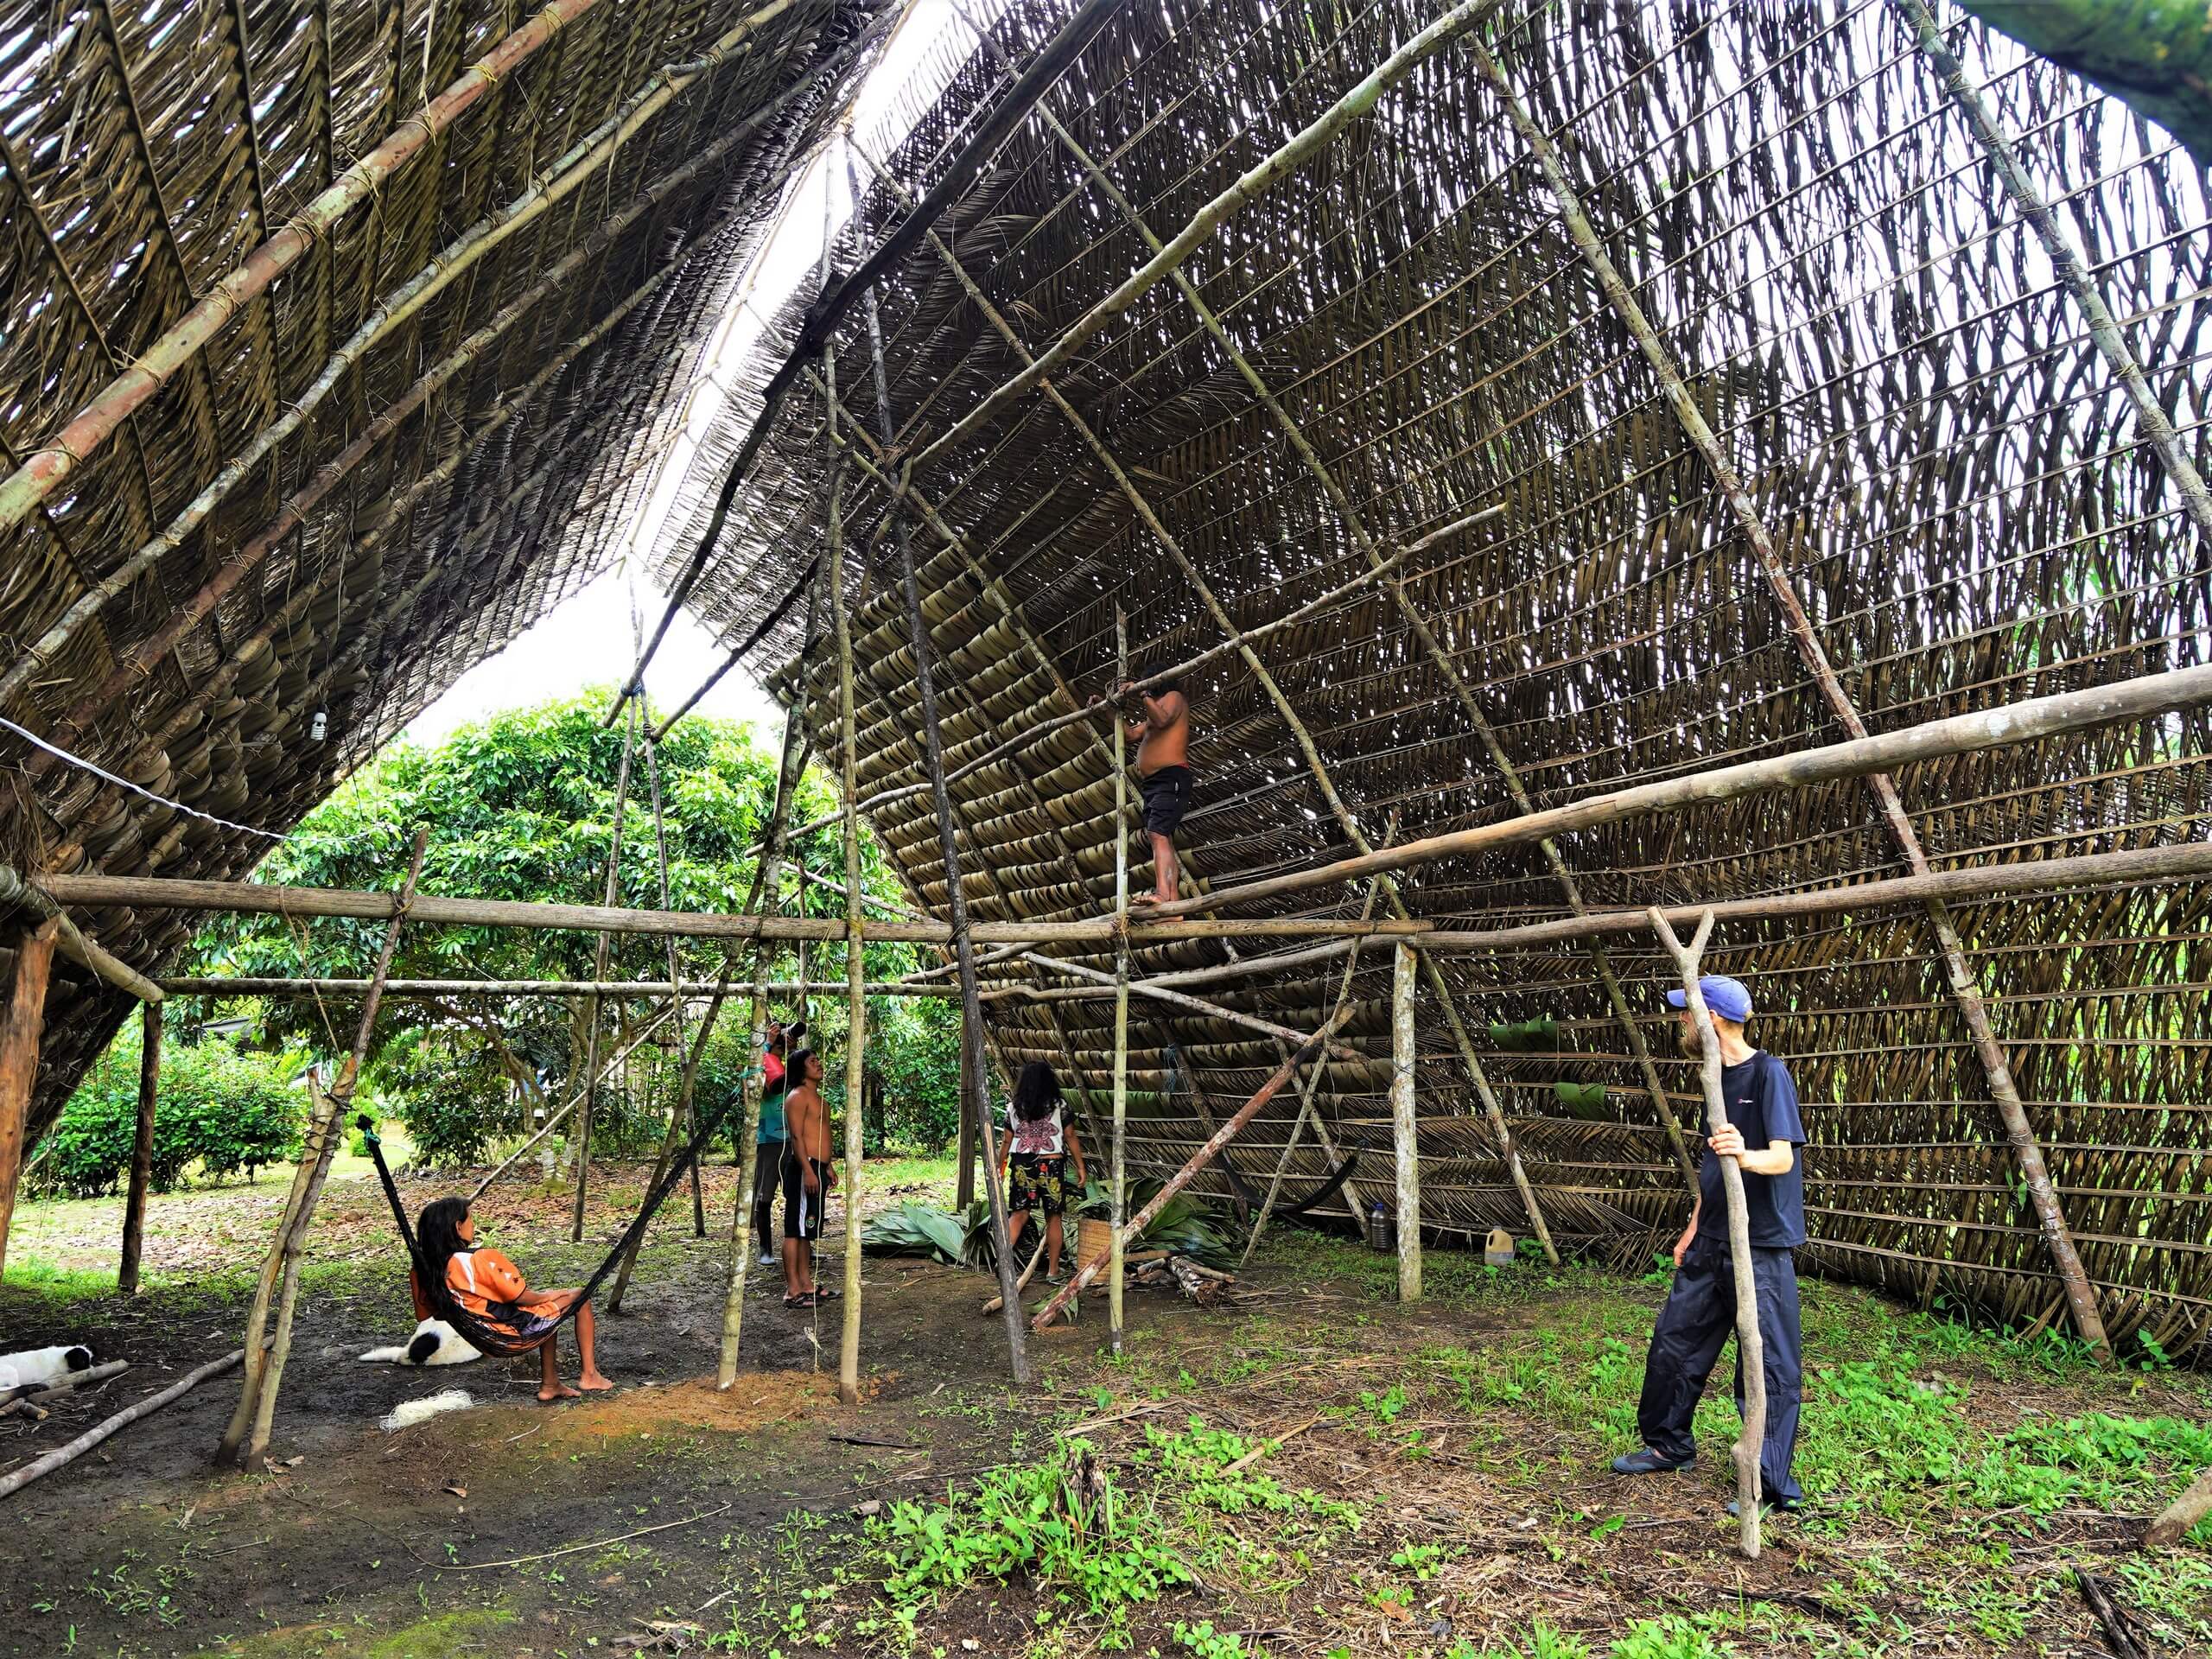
(19, 1046)
(141, 1150)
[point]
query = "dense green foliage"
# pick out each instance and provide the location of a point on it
(218, 1107)
(522, 807)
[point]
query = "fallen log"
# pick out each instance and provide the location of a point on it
(93, 1436)
(2179, 1516)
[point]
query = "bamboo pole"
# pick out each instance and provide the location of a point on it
(593, 1005)
(247, 1435)
(1311, 1049)
(776, 614)
(1257, 181)
(790, 766)
(834, 303)
(1405, 1123)
(964, 944)
(1381, 567)
(1750, 1348)
(25, 1023)
(1118, 1202)
(1195, 1005)
(848, 1342)
(141, 1148)
(2066, 260)
(2027, 1151)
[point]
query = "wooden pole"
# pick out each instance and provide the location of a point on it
(598, 971)
(2027, 1151)
(91, 1437)
(1311, 1049)
(247, 1435)
(1405, 1123)
(1312, 1082)
(2197, 499)
(142, 1148)
(791, 765)
(964, 944)
(19, 1047)
(1178, 999)
(1379, 568)
(1750, 1348)
(835, 302)
(2182, 1515)
(848, 1343)
(1117, 1205)
(1263, 177)
(246, 985)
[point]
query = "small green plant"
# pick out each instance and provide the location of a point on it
(1203, 1641)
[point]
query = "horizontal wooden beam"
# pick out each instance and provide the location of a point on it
(72, 942)
(244, 986)
(2145, 696)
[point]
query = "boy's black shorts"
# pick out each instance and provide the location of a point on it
(1167, 798)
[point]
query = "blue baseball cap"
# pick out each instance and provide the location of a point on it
(1726, 997)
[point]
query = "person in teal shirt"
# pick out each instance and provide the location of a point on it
(771, 1140)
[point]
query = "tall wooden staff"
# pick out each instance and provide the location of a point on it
(1749, 1351)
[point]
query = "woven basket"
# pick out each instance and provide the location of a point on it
(1093, 1239)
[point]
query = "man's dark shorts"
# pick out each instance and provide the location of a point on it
(1167, 798)
(802, 1208)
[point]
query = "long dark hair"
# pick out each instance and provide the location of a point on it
(795, 1069)
(1037, 1092)
(438, 1233)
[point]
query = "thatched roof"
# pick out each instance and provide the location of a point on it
(1949, 476)
(460, 467)
(1955, 484)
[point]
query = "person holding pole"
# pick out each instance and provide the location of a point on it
(1763, 1133)
(1161, 728)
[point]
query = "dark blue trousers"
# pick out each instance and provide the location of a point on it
(1698, 1316)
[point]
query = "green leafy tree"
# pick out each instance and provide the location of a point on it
(522, 807)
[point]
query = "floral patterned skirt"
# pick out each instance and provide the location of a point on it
(1038, 1185)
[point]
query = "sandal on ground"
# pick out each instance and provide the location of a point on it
(805, 1300)
(823, 1293)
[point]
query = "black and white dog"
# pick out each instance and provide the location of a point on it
(39, 1367)
(434, 1343)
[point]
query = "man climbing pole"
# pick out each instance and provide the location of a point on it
(1160, 725)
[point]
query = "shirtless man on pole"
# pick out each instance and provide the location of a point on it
(1162, 735)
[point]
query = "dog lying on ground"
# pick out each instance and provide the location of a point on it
(434, 1343)
(37, 1368)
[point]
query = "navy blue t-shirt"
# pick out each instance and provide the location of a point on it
(1762, 1102)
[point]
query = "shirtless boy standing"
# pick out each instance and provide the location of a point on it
(1162, 736)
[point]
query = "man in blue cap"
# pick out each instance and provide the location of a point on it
(1764, 1134)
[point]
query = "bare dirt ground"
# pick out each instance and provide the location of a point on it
(1315, 1471)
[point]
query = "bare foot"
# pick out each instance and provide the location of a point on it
(594, 1382)
(561, 1391)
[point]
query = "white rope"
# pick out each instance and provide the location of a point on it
(77, 760)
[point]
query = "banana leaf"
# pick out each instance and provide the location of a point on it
(913, 1229)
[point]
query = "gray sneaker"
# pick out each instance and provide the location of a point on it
(1648, 1462)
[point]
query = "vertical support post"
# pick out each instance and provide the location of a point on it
(849, 1346)
(789, 766)
(1404, 1122)
(599, 972)
(1750, 1350)
(19, 1046)
(2027, 1151)
(246, 1436)
(963, 945)
(679, 1109)
(142, 1148)
(1116, 1250)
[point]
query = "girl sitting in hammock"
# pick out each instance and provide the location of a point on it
(491, 1287)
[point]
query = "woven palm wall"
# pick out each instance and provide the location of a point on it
(1954, 481)
(478, 363)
